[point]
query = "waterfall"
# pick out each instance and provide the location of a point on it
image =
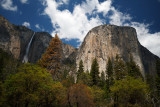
(25, 58)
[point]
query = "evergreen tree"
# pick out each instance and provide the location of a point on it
(130, 92)
(120, 68)
(109, 74)
(80, 70)
(102, 79)
(95, 72)
(52, 57)
(133, 69)
(85, 78)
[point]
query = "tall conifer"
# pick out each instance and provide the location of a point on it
(52, 57)
(109, 74)
(95, 72)
(80, 69)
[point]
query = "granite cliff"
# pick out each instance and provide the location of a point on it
(15, 39)
(101, 42)
(107, 41)
(9, 38)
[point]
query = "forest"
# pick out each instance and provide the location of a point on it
(49, 83)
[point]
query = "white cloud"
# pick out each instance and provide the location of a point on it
(37, 26)
(104, 7)
(118, 18)
(85, 16)
(23, 1)
(26, 24)
(149, 40)
(8, 5)
(75, 24)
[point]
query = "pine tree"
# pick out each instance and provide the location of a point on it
(109, 74)
(52, 57)
(80, 69)
(133, 69)
(102, 79)
(120, 68)
(95, 72)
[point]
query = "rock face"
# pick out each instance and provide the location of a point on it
(67, 50)
(107, 41)
(25, 35)
(39, 45)
(9, 38)
(15, 39)
(69, 54)
(102, 42)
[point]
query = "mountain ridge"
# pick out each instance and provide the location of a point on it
(101, 42)
(107, 41)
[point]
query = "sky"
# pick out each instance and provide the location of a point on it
(72, 19)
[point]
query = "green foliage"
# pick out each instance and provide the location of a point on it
(95, 72)
(54, 95)
(68, 82)
(120, 69)
(102, 79)
(8, 65)
(109, 74)
(129, 91)
(64, 74)
(80, 70)
(150, 81)
(98, 96)
(133, 69)
(29, 86)
(85, 78)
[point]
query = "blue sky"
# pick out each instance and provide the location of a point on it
(72, 19)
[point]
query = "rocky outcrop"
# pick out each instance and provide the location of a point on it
(15, 39)
(107, 41)
(69, 54)
(102, 42)
(67, 50)
(9, 38)
(39, 45)
(25, 35)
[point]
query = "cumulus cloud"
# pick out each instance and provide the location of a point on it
(149, 40)
(104, 7)
(8, 5)
(23, 1)
(75, 24)
(118, 18)
(39, 28)
(85, 16)
(26, 24)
